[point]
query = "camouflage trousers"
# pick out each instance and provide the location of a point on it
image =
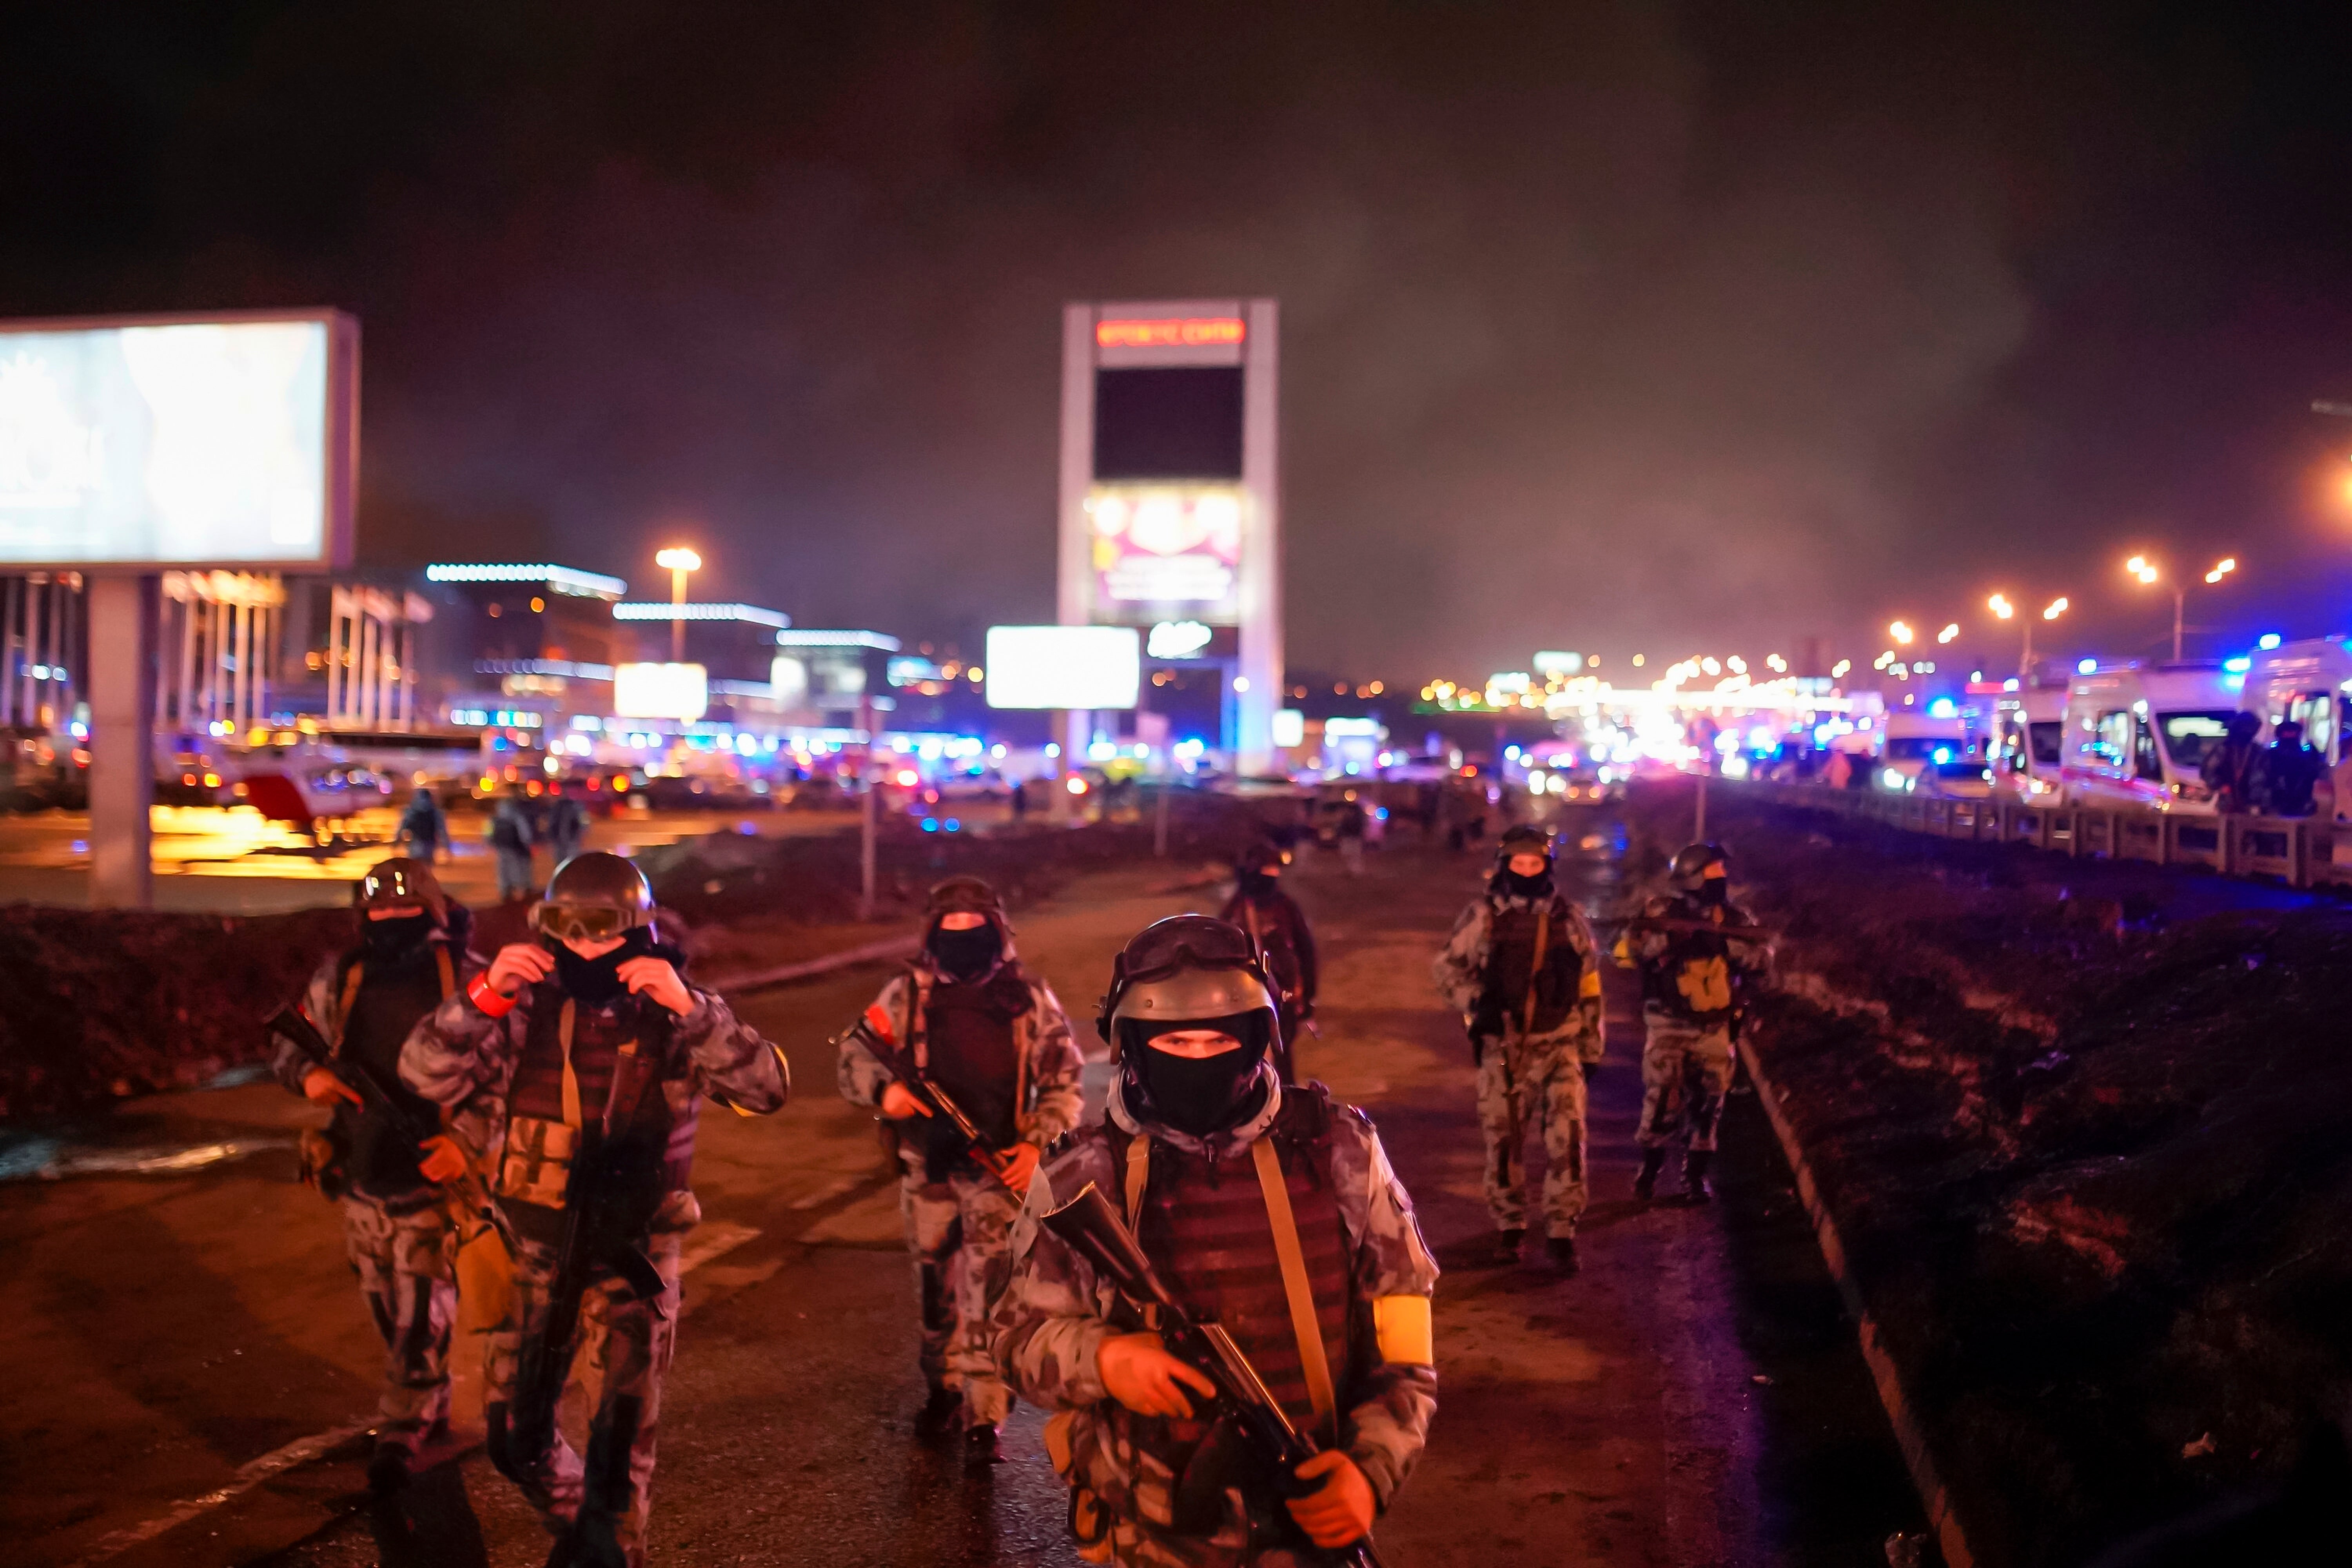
(960, 1234)
(1541, 1082)
(1686, 1070)
(623, 1348)
(406, 1263)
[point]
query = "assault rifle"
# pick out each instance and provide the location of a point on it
(1089, 1226)
(873, 1033)
(466, 1192)
(604, 1213)
(1662, 923)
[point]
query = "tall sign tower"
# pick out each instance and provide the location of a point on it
(1171, 504)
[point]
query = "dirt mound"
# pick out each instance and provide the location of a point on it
(2087, 1131)
(99, 1004)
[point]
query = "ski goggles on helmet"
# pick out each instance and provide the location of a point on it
(965, 895)
(582, 922)
(1204, 954)
(395, 882)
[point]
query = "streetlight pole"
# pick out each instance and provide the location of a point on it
(680, 561)
(2147, 573)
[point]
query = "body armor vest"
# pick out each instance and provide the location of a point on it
(971, 1051)
(378, 1011)
(1206, 1230)
(1511, 968)
(1692, 978)
(542, 1129)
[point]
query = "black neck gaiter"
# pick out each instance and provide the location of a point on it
(397, 940)
(1511, 884)
(596, 982)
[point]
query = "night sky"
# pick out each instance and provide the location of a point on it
(1613, 328)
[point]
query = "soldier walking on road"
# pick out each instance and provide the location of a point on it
(1285, 941)
(398, 1230)
(511, 836)
(994, 1036)
(1691, 985)
(1261, 1203)
(589, 1043)
(1520, 967)
(567, 822)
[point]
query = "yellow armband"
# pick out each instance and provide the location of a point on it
(1401, 1329)
(1591, 984)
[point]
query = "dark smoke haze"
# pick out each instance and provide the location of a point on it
(1618, 328)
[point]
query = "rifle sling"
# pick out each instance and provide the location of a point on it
(1301, 1296)
(1535, 972)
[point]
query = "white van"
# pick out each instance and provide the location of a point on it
(2137, 733)
(2029, 732)
(2309, 681)
(1919, 748)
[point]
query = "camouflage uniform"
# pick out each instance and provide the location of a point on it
(959, 1218)
(398, 1234)
(1524, 1073)
(1123, 1467)
(1687, 1000)
(461, 1057)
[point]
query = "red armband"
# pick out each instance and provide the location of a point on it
(481, 995)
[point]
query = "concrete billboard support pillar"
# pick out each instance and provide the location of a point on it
(121, 739)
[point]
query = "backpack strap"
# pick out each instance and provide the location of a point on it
(1295, 1289)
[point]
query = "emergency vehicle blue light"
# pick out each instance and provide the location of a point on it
(1943, 753)
(2240, 665)
(2087, 666)
(931, 824)
(2268, 640)
(1942, 707)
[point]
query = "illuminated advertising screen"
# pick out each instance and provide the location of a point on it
(1167, 553)
(1096, 667)
(227, 441)
(680, 692)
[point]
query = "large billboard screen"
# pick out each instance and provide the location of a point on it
(1095, 668)
(1167, 551)
(660, 691)
(221, 441)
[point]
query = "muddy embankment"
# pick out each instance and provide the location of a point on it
(98, 1005)
(2086, 1131)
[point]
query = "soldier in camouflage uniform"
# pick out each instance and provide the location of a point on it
(1234, 1184)
(533, 1048)
(1520, 968)
(1691, 982)
(398, 1230)
(994, 1036)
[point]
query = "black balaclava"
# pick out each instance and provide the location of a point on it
(1255, 883)
(1511, 884)
(1201, 1095)
(965, 955)
(396, 938)
(597, 981)
(1714, 890)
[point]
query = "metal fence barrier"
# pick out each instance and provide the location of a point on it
(2302, 852)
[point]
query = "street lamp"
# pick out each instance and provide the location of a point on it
(2003, 609)
(680, 561)
(2149, 573)
(1900, 631)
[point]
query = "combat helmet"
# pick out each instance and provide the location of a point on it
(1522, 838)
(1697, 865)
(594, 897)
(1185, 969)
(399, 880)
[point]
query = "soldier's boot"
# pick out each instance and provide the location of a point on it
(1697, 1188)
(389, 1466)
(937, 1416)
(979, 1447)
(1645, 1186)
(1508, 1244)
(1561, 1250)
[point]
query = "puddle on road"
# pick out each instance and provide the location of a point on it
(34, 1157)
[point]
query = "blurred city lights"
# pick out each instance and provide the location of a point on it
(2056, 608)
(2222, 568)
(1948, 632)
(1999, 605)
(1900, 631)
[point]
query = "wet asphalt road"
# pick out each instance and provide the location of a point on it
(1692, 1397)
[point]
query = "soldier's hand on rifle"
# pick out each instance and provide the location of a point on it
(320, 1086)
(654, 977)
(1340, 1509)
(443, 1161)
(1020, 1165)
(1140, 1374)
(899, 1102)
(518, 964)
